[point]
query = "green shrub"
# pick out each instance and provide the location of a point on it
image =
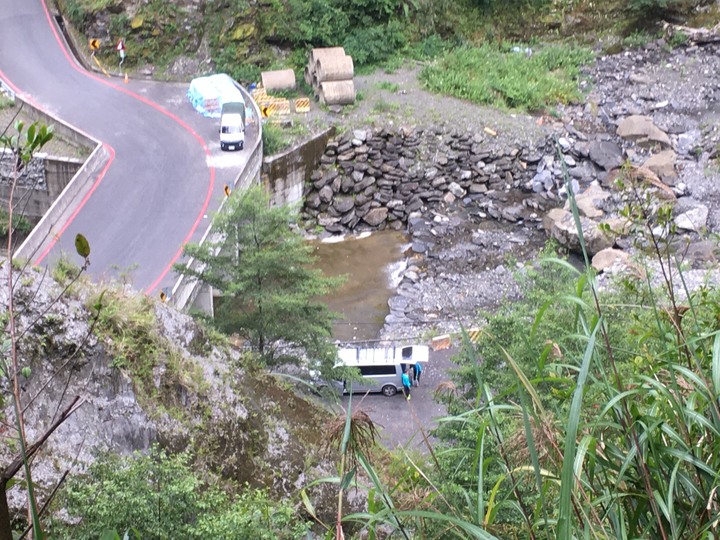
(161, 496)
(274, 139)
(638, 38)
(65, 270)
(20, 223)
(390, 87)
(319, 22)
(508, 79)
(5, 102)
(375, 44)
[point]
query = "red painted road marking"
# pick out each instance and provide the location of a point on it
(160, 109)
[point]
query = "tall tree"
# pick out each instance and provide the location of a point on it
(264, 269)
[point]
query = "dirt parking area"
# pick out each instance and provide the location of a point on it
(400, 421)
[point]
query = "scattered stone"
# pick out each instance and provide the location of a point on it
(694, 219)
(642, 130)
(610, 259)
(663, 164)
(606, 154)
(589, 202)
(560, 225)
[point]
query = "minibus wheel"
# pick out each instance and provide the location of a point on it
(389, 390)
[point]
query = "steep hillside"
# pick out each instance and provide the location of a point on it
(183, 38)
(144, 374)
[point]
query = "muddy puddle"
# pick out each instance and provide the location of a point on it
(372, 264)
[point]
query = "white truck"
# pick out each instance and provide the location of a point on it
(232, 126)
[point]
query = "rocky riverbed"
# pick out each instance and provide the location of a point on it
(479, 201)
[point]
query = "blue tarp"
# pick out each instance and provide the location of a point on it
(208, 94)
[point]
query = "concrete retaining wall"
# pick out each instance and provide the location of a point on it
(35, 197)
(284, 175)
(70, 196)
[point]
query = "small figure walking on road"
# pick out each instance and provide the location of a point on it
(417, 371)
(406, 383)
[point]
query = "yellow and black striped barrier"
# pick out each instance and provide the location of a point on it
(275, 107)
(302, 105)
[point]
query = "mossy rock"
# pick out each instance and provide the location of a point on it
(243, 32)
(137, 22)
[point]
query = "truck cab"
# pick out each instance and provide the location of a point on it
(232, 126)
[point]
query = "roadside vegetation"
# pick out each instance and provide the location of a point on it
(242, 39)
(115, 496)
(516, 77)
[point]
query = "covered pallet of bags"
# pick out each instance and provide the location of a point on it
(209, 94)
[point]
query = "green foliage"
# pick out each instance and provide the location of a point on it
(5, 102)
(161, 496)
(64, 270)
(227, 62)
(504, 78)
(637, 38)
(274, 139)
(263, 267)
(375, 44)
(390, 87)
(678, 39)
(20, 224)
(429, 48)
(652, 9)
(319, 22)
(129, 321)
(382, 106)
(629, 380)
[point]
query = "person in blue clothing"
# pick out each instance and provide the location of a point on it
(417, 371)
(406, 383)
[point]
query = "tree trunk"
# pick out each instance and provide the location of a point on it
(5, 527)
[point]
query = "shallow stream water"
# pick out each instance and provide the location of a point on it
(372, 264)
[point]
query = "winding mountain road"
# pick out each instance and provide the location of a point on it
(165, 174)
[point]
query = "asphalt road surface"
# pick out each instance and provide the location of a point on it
(166, 172)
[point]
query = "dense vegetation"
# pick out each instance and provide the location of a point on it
(466, 36)
(162, 496)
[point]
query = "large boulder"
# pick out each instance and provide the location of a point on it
(642, 130)
(560, 225)
(693, 219)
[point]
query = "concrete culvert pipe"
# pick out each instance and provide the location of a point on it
(335, 68)
(283, 79)
(337, 92)
(322, 52)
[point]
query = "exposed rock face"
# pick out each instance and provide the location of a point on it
(247, 426)
(694, 219)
